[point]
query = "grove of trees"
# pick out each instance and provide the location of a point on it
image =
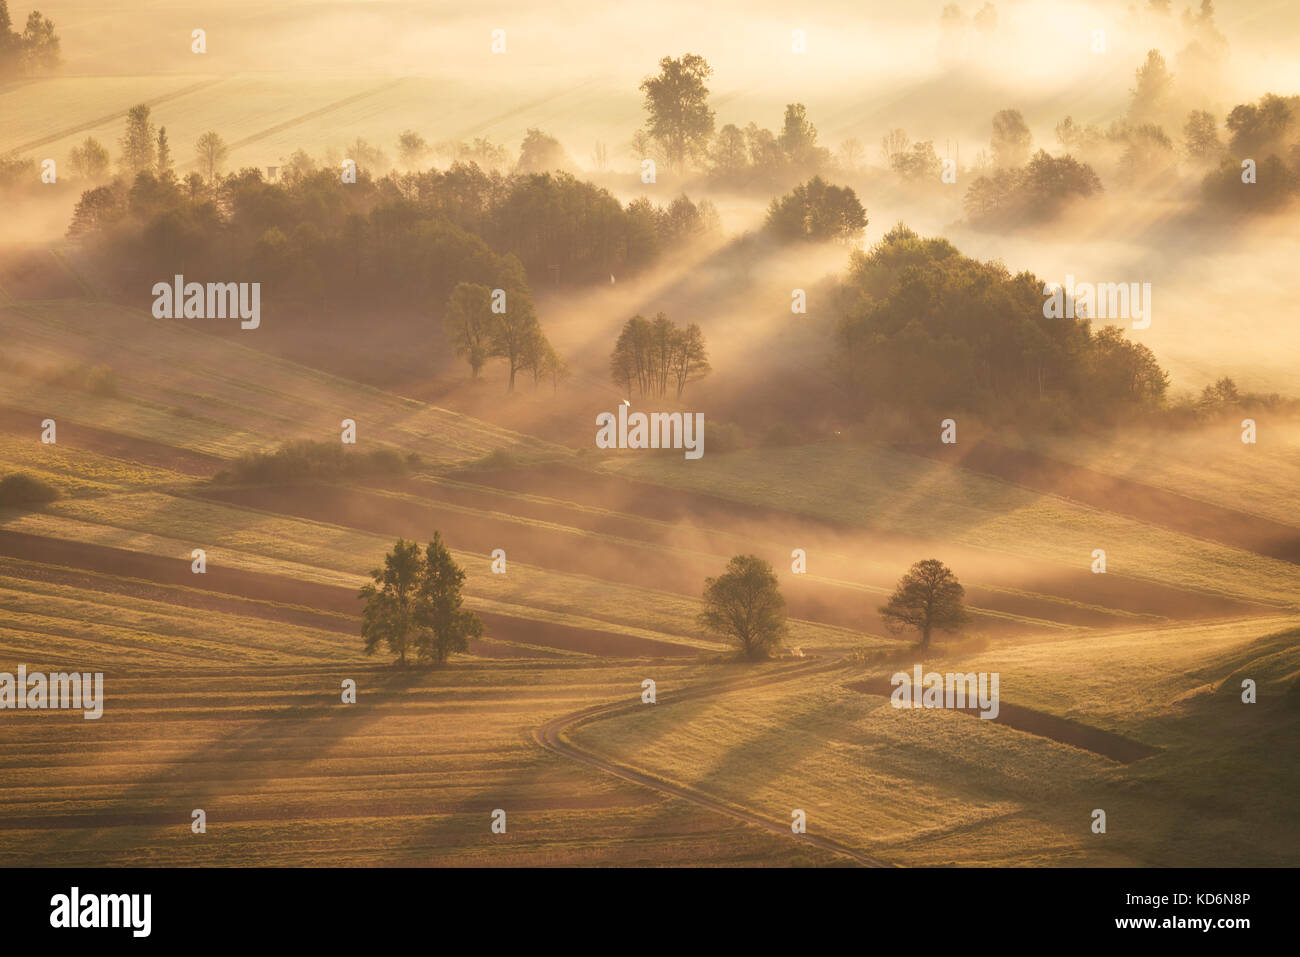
(818, 212)
(35, 50)
(414, 605)
(925, 328)
(657, 355)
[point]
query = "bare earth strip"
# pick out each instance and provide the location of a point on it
(311, 595)
(1068, 597)
(1106, 743)
(126, 448)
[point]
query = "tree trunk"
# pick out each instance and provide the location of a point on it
(925, 636)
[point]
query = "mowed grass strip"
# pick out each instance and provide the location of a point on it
(289, 775)
(177, 383)
(878, 488)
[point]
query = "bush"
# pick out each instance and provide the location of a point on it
(498, 459)
(98, 380)
(22, 489)
(723, 437)
(307, 461)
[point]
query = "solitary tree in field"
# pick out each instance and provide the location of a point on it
(677, 102)
(745, 606)
(927, 597)
(212, 152)
(413, 606)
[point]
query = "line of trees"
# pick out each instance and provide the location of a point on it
(656, 355)
(414, 607)
(35, 50)
(482, 324)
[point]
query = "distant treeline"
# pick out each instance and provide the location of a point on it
(406, 238)
(34, 50)
(925, 328)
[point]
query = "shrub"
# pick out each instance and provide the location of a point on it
(307, 461)
(20, 489)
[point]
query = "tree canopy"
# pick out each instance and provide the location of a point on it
(744, 605)
(677, 107)
(924, 328)
(413, 605)
(928, 597)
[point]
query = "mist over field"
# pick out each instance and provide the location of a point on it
(307, 342)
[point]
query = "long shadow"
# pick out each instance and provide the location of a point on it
(325, 725)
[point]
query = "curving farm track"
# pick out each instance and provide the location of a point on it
(554, 737)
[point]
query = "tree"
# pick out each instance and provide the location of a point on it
(89, 160)
(745, 606)
(1260, 129)
(413, 605)
(411, 148)
(212, 152)
(369, 158)
(35, 49)
(1201, 135)
(553, 366)
(515, 332)
(655, 354)
(729, 155)
(817, 211)
(1152, 90)
(541, 153)
(8, 40)
(40, 46)
(851, 154)
(918, 164)
(138, 141)
(1125, 372)
(677, 103)
(468, 324)
(391, 601)
(1011, 138)
(689, 358)
(799, 140)
(927, 597)
(164, 161)
(891, 144)
(449, 628)
(1149, 153)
